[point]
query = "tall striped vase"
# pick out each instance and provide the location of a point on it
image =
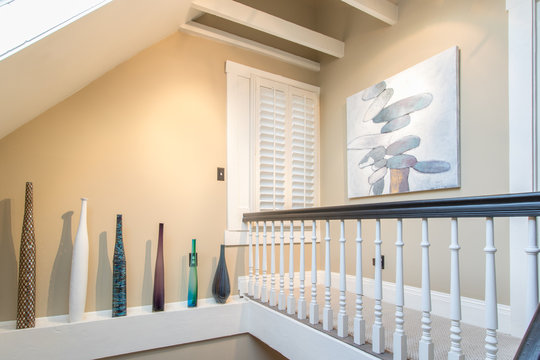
(26, 301)
(119, 273)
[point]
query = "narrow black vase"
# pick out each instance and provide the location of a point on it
(119, 301)
(158, 302)
(221, 287)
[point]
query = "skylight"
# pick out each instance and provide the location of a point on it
(23, 22)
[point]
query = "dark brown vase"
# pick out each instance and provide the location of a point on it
(158, 302)
(26, 301)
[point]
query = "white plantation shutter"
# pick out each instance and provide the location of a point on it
(286, 146)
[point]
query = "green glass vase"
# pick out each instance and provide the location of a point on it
(192, 284)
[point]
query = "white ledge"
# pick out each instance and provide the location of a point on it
(383, 10)
(100, 335)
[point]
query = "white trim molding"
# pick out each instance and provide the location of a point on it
(259, 20)
(208, 32)
(523, 139)
(383, 10)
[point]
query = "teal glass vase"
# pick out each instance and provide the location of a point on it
(192, 283)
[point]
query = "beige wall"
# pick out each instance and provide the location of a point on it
(374, 52)
(144, 140)
(240, 347)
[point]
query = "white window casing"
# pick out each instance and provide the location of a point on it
(272, 145)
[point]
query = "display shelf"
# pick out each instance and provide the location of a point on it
(99, 335)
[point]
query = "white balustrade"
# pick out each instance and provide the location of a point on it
(327, 310)
(491, 293)
(250, 252)
(281, 296)
(273, 297)
(532, 265)
(301, 299)
(400, 339)
(426, 348)
(290, 298)
(378, 329)
(359, 324)
(264, 290)
(313, 306)
(455, 353)
(343, 319)
(256, 288)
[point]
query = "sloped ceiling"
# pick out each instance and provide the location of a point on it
(55, 67)
(52, 69)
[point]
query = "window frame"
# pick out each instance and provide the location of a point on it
(242, 163)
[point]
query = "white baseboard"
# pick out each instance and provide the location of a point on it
(472, 310)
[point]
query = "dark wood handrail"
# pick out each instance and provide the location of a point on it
(509, 205)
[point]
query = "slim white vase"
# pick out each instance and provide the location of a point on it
(79, 269)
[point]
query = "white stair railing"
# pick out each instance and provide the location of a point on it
(426, 348)
(264, 290)
(524, 205)
(301, 299)
(313, 306)
(359, 324)
(250, 282)
(378, 329)
(400, 339)
(273, 296)
(290, 298)
(455, 353)
(328, 315)
(281, 297)
(256, 288)
(491, 293)
(343, 319)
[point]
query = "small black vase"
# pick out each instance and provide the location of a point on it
(221, 287)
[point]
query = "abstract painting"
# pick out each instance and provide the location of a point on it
(403, 132)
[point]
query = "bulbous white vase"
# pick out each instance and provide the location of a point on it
(79, 269)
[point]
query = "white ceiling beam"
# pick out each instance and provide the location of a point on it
(225, 37)
(383, 10)
(270, 24)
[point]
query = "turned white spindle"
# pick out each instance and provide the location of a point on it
(425, 349)
(456, 352)
(532, 264)
(281, 296)
(273, 297)
(328, 316)
(250, 252)
(313, 306)
(343, 318)
(378, 329)
(400, 339)
(301, 299)
(290, 298)
(491, 293)
(256, 288)
(264, 290)
(359, 324)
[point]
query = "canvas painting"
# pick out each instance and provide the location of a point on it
(403, 132)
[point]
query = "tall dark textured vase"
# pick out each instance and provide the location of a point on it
(26, 301)
(158, 301)
(221, 287)
(119, 273)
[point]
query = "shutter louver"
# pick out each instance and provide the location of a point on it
(272, 119)
(302, 151)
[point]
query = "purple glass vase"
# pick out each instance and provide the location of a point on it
(158, 301)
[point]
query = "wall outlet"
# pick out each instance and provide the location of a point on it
(221, 174)
(382, 261)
